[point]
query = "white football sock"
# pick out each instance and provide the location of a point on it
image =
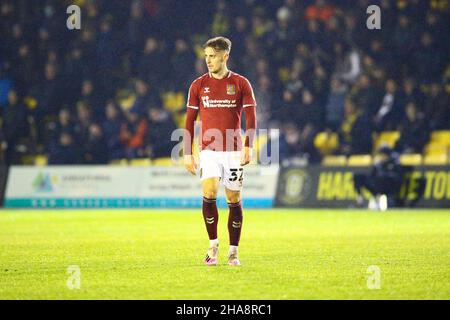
(233, 250)
(214, 243)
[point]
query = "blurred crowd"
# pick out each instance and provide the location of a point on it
(117, 88)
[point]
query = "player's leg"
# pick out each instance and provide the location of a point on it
(362, 181)
(210, 173)
(211, 218)
(235, 219)
(209, 207)
(232, 180)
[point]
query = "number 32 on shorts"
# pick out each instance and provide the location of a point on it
(234, 174)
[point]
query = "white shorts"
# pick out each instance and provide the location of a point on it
(225, 165)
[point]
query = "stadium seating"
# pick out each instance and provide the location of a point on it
(411, 159)
(388, 138)
(259, 144)
(441, 137)
(41, 160)
(435, 159)
(326, 142)
(163, 162)
(438, 149)
(359, 160)
(119, 162)
(140, 162)
(434, 148)
(334, 161)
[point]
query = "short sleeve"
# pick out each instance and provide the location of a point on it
(248, 97)
(193, 100)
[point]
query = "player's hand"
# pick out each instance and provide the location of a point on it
(190, 164)
(246, 156)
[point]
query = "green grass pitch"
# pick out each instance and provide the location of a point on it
(285, 254)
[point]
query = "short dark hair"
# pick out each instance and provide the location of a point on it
(218, 43)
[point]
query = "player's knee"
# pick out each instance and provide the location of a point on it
(234, 197)
(210, 194)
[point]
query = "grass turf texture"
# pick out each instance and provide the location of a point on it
(286, 254)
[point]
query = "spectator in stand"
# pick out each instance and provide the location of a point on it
(160, 128)
(354, 134)
(88, 43)
(427, 60)
(6, 83)
(25, 69)
(75, 69)
(182, 60)
(91, 99)
(144, 97)
(108, 57)
(239, 34)
(348, 63)
(3, 146)
(7, 20)
(66, 151)
(307, 148)
(15, 124)
(48, 93)
(390, 112)
(132, 134)
(335, 105)
(64, 124)
(43, 46)
(404, 40)
(95, 148)
(287, 108)
(414, 131)
(136, 29)
(313, 34)
(383, 57)
(309, 111)
(411, 93)
(320, 10)
(153, 66)
(295, 83)
(83, 122)
(297, 143)
(264, 94)
(437, 109)
(111, 131)
(365, 95)
(16, 37)
(281, 38)
(319, 83)
(289, 141)
(252, 53)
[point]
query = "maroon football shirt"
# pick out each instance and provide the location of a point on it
(220, 102)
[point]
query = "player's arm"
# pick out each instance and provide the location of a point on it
(191, 115)
(249, 105)
(250, 131)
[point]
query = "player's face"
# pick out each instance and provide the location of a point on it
(215, 60)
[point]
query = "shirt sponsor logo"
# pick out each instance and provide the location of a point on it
(215, 103)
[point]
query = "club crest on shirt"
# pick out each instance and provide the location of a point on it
(231, 89)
